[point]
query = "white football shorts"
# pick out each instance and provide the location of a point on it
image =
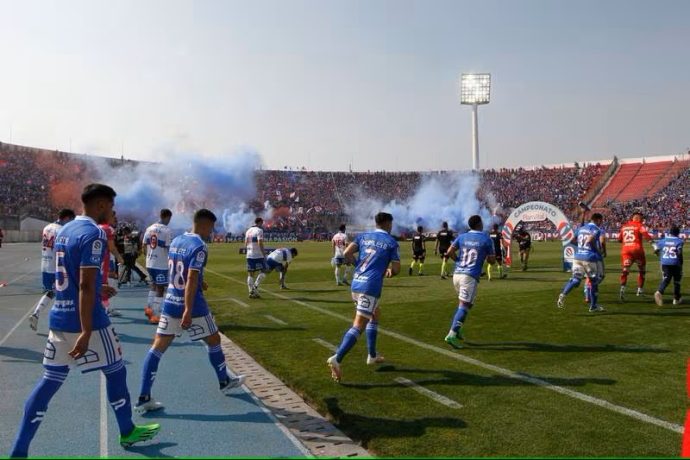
(466, 287)
(104, 350)
(202, 326)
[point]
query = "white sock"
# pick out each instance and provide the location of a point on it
(250, 283)
(42, 304)
(259, 279)
(156, 307)
(337, 274)
(152, 296)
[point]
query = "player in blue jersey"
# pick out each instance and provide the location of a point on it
(670, 249)
(589, 262)
(80, 332)
(378, 257)
(472, 249)
(185, 309)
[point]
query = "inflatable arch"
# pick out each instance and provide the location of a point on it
(536, 211)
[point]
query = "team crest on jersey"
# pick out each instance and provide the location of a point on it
(97, 247)
(201, 256)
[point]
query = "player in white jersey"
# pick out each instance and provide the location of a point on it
(256, 262)
(48, 264)
(279, 260)
(342, 267)
(157, 239)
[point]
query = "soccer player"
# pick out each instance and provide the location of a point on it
(109, 267)
(474, 247)
(671, 249)
(157, 239)
(418, 251)
(279, 260)
(632, 251)
(50, 231)
(589, 262)
(130, 253)
(495, 235)
(80, 332)
(339, 243)
(185, 308)
(378, 258)
(254, 242)
(524, 240)
(443, 240)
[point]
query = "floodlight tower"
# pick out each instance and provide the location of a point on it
(475, 89)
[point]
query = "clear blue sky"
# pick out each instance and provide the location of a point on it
(323, 83)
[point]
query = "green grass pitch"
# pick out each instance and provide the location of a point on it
(632, 356)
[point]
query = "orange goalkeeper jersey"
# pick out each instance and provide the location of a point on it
(631, 235)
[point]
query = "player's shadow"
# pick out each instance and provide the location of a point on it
(246, 327)
(153, 450)
(363, 428)
(671, 312)
(21, 355)
(563, 348)
(125, 338)
(247, 417)
(465, 378)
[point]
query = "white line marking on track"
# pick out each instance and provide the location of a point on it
(20, 322)
(325, 344)
(490, 367)
(439, 398)
(103, 436)
(275, 320)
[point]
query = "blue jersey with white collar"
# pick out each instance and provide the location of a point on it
(79, 244)
(187, 252)
(473, 248)
(377, 250)
(589, 251)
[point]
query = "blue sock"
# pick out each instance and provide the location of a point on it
(570, 285)
(217, 358)
(371, 331)
(459, 318)
(148, 371)
(349, 341)
(118, 396)
(36, 406)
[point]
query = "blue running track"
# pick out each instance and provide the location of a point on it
(197, 420)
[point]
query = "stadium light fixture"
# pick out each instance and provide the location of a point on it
(475, 90)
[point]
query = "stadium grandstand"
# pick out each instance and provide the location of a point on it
(313, 203)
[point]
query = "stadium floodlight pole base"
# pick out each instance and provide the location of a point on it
(475, 139)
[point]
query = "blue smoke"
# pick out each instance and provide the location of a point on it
(184, 183)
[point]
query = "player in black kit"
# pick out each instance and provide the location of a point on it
(418, 250)
(444, 238)
(524, 240)
(495, 235)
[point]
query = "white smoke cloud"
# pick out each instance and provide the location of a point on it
(450, 197)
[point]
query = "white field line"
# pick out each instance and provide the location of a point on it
(23, 318)
(232, 299)
(325, 344)
(490, 367)
(275, 320)
(439, 398)
(103, 436)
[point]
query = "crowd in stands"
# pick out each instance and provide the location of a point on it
(668, 206)
(310, 204)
